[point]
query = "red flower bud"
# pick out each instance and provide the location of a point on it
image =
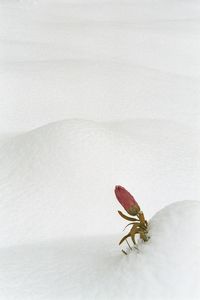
(127, 200)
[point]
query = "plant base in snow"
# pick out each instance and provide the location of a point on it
(139, 224)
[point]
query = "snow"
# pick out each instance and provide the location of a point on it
(93, 94)
(61, 177)
(98, 60)
(93, 267)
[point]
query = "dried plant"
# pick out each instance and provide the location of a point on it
(139, 224)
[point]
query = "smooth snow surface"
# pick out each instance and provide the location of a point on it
(58, 180)
(167, 267)
(93, 94)
(98, 60)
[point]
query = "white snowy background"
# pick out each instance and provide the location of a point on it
(95, 93)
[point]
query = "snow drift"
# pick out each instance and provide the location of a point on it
(99, 60)
(58, 180)
(132, 67)
(166, 267)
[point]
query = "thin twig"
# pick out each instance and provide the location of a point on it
(124, 252)
(129, 245)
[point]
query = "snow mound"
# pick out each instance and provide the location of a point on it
(56, 180)
(166, 267)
